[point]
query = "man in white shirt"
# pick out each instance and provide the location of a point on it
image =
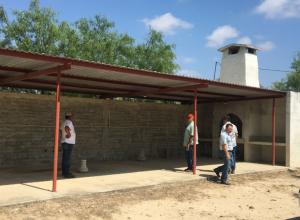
(188, 142)
(68, 139)
(227, 145)
(234, 134)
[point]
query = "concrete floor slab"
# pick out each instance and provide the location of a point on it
(21, 186)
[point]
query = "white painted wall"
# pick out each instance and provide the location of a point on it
(251, 69)
(256, 116)
(293, 129)
(240, 68)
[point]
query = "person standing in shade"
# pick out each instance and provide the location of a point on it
(234, 134)
(227, 146)
(188, 142)
(68, 139)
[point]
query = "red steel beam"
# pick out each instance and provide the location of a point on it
(35, 74)
(14, 69)
(32, 56)
(176, 89)
(82, 86)
(195, 134)
(273, 132)
(126, 70)
(179, 97)
(243, 99)
(85, 86)
(116, 82)
(51, 86)
(56, 139)
(169, 90)
(219, 94)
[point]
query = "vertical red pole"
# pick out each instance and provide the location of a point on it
(57, 113)
(273, 133)
(195, 132)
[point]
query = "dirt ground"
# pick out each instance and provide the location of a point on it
(254, 196)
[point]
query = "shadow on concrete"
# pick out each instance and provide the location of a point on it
(25, 175)
(36, 187)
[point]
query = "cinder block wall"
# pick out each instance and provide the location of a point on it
(256, 116)
(106, 130)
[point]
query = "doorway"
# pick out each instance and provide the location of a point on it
(234, 119)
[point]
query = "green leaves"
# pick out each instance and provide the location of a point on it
(156, 55)
(38, 30)
(292, 81)
(34, 30)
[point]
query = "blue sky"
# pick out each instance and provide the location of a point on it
(199, 28)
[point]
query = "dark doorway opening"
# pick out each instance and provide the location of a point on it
(234, 119)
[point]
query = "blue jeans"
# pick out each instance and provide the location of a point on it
(233, 158)
(225, 167)
(189, 157)
(66, 158)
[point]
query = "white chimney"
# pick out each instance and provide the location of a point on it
(239, 65)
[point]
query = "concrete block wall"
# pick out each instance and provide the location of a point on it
(293, 129)
(105, 129)
(256, 116)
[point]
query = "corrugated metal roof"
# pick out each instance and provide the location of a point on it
(111, 81)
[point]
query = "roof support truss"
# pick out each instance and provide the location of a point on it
(31, 75)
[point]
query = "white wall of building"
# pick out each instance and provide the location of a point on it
(240, 68)
(256, 116)
(293, 129)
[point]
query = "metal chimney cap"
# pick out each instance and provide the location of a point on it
(237, 45)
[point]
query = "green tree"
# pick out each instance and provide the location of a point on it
(38, 30)
(68, 41)
(292, 81)
(34, 30)
(155, 54)
(99, 42)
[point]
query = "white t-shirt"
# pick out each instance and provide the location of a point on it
(226, 139)
(72, 139)
(233, 134)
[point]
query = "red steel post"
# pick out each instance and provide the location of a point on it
(273, 132)
(195, 132)
(57, 114)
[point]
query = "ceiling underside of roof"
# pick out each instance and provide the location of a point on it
(29, 70)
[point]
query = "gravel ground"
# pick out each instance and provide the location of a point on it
(265, 196)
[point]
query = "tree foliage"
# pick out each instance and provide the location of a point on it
(292, 80)
(155, 54)
(37, 29)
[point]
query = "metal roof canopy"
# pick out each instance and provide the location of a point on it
(38, 71)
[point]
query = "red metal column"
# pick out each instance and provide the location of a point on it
(195, 131)
(273, 133)
(57, 114)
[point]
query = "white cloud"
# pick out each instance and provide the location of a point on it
(167, 23)
(278, 9)
(265, 46)
(244, 40)
(221, 34)
(188, 72)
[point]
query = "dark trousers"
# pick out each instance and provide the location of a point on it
(225, 167)
(233, 158)
(189, 156)
(66, 158)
